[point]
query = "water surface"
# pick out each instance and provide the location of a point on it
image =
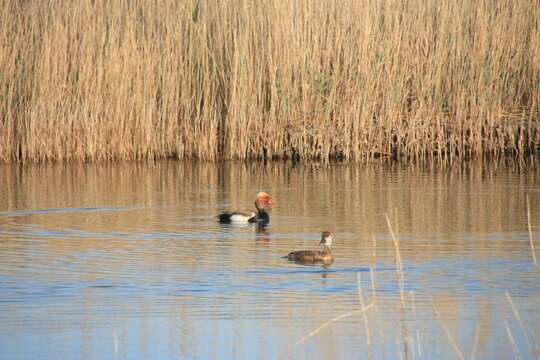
(118, 261)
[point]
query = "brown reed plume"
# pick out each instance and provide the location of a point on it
(102, 80)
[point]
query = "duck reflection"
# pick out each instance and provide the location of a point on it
(262, 235)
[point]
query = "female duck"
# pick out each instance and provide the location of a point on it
(263, 203)
(311, 257)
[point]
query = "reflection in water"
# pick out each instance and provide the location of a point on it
(128, 260)
(262, 234)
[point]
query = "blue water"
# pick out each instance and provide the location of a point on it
(128, 261)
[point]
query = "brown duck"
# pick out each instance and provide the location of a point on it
(310, 256)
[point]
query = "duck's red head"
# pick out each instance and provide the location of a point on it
(264, 201)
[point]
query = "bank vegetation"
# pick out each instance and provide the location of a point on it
(355, 80)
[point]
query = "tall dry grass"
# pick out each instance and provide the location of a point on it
(97, 80)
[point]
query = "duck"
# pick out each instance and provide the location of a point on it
(313, 256)
(263, 203)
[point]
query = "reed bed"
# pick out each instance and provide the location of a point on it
(355, 80)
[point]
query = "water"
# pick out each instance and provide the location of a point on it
(123, 261)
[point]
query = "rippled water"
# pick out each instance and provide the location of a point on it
(128, 261)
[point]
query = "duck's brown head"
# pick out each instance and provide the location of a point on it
(326, 238)
(264, 201)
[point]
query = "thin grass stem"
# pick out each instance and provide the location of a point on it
(533, 252)
(448, 335)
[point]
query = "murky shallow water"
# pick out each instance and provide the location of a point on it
(128, 261)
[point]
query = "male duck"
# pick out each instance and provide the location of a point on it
(311, 257)
(263, 202)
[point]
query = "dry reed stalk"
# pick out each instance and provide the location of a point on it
(530, 232)
(115, 342)
(401, 281)
(512, 341)
(374, 253)
(399, 264)
(375, 312)
(475, 342)
(398, 345)
(448, 335)
(104, 80)
(364, 315)
(326, 324)
(418, 339)
(520, 322)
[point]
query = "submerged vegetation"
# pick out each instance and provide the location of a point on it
(98, 80)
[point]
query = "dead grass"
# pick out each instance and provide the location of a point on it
(103, 80)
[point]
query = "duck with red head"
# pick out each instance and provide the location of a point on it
(263, 203)
(311, 257)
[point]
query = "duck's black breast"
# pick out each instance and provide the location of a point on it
(262, 218)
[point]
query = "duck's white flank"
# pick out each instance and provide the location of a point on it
(242, 218)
